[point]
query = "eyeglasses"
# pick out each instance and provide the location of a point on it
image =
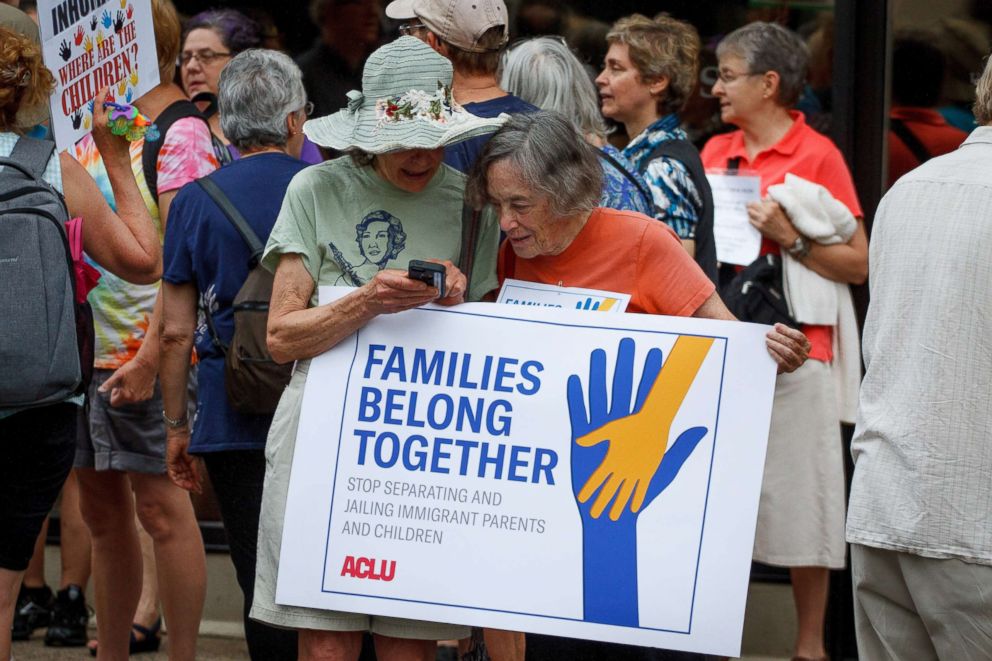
(728, 77)
(409, 28)
(204, 57)
(308, 108)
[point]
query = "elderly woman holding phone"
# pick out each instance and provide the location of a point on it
(360, 219)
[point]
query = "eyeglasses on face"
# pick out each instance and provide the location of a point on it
(204, 57)
(727, 77)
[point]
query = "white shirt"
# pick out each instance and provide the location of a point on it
(923, 443)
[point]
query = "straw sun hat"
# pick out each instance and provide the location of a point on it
(405, 103)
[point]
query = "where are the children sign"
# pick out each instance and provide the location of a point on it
(91, 44)
(533, 469)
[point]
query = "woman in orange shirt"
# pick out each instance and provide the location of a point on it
(801, 515)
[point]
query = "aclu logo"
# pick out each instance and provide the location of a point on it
(367, 568)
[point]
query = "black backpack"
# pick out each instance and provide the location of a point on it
(253, 381)
(687, 154)
(755, 294)
(43, 331)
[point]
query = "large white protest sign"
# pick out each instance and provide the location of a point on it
(583, 475)
(89, 44)
(519, 292)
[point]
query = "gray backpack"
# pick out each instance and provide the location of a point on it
(39, 354)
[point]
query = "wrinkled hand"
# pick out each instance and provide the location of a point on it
(769, 218)
(638, 464)
(455, 284)
(788, 346)
(111, 146)
(390, 291)
(185, 470)
(134, 381)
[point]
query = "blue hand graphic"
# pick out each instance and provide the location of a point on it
(612, 447)
(588, 304)
(107, 19)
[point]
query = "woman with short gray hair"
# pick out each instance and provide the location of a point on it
(263, 106)
(762, 68)
(543, 180)
(544, 72)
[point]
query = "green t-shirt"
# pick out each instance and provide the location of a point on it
(348, 223)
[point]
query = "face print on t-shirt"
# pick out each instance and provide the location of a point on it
(380, 238)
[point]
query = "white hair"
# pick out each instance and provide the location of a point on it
(545, 73)
(258, 89)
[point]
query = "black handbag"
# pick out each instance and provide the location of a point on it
(756, 294)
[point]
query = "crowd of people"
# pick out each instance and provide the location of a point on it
(266, 164)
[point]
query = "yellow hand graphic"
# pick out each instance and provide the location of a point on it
(88, 44)
(123, 3)
(638, 442)
(134, 78)
(122, 86)
(99, 39)
(87, 122)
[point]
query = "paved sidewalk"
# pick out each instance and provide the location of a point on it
(208, 649)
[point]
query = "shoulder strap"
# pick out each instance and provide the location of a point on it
(909, 139)
(233, 215)
(687, 154)
(470, 233)
(33, 154)
(149, 152)
(626, 173)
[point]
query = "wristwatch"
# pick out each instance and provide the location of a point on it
(800, 247)
(176, 423)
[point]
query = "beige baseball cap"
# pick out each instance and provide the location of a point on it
(460, 23)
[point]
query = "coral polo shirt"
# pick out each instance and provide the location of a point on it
(807, 154)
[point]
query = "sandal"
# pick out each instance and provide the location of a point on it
(149, 642)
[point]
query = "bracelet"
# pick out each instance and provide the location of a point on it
(176, 423)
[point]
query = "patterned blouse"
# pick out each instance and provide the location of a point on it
(619, 192)
(675, 195)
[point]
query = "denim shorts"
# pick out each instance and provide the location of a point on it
(36, 448)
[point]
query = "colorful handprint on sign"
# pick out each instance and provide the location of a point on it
(79, 35)
(107, 19)
(622, 459)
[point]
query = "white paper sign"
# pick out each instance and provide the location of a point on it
(519, 292)
(737, 241)
(456, 465)
(88, 44)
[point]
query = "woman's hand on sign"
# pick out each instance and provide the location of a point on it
(392, 291)
(788, 346)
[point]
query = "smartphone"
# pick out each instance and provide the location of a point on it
(429, 272)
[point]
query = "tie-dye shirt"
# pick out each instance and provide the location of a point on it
(121, 310)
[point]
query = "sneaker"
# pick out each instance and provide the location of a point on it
(33, 611)
(69, 619)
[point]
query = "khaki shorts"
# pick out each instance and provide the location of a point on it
(279, 450)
